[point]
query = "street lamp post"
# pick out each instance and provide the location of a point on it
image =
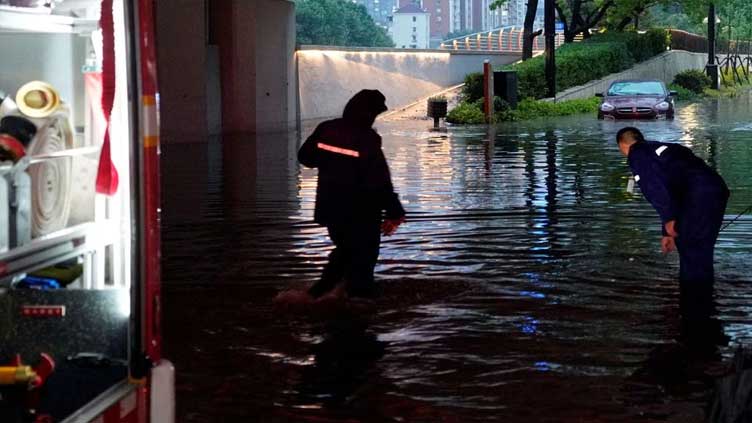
(712, 67)
(549, 26)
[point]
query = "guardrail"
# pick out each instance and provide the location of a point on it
(683, 40)
(502, 39)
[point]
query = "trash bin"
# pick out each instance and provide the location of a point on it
(505, 86)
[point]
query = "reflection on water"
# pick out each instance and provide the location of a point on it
(527, 286)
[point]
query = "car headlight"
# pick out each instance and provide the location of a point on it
(662, 106)
(605, 107)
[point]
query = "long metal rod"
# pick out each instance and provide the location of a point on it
(712, 68)
(550, 52)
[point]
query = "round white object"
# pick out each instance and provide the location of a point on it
(51, 179)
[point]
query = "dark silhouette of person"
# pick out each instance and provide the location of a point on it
(690, 199)
(345, 363)
(355, 198)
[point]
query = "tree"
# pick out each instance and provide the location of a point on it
(672, 15)
(735, 15)
(626, 12)
(338, 23)
(528, 36)
(583, 15)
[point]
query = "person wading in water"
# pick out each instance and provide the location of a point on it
(690, 199)
(355, 198)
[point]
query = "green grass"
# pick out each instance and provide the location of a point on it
(684, 94)
(727, 90)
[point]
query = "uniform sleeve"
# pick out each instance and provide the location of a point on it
(308, 155)
(379, 181)
(653, 183)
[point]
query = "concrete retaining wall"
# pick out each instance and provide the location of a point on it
(664, 67)
(329, 76)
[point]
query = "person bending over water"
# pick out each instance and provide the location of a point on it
(690, 199)
(355, 198)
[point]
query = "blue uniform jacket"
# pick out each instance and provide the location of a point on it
(675, 181)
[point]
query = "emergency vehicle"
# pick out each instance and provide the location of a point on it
(80, 332)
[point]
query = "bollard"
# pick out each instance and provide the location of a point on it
(488, 91)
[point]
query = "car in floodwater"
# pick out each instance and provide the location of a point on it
(637, 99)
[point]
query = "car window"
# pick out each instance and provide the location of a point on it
(637, 88)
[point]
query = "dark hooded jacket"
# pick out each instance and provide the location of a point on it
(354, 182)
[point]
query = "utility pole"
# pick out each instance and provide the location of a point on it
(549, 27)
(712, 67)
(488, 91)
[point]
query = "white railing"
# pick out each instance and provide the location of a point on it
(503, 39)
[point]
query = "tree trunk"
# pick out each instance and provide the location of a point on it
(570, 30)
(637, 22)
(623, 24)
(527, 34)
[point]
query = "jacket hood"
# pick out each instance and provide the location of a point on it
(363, 107)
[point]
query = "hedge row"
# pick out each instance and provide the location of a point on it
(579, 63)
(469, 113)
(640, 46)
(576, 64)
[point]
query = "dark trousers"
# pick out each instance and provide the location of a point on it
(356, 250)
(698, 229)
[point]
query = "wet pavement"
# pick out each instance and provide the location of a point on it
(527, 286)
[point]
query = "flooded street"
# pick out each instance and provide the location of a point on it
(527, 285)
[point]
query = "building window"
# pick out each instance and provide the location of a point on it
(438, 19)
(438, 10)
(415, 29)
(415, 38)
(414, 19)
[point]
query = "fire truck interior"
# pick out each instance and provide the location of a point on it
(66, 208)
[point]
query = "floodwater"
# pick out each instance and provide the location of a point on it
(527, 286)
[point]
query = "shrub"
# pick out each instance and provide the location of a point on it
(466, 113)
(472, 113)
(473, 89)
(532, 109)
(683, 94)
(694, 80)
(657, 41)
(640, 46)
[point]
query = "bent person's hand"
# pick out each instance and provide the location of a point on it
(668, 244)
(389, 226)
(671, 228)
